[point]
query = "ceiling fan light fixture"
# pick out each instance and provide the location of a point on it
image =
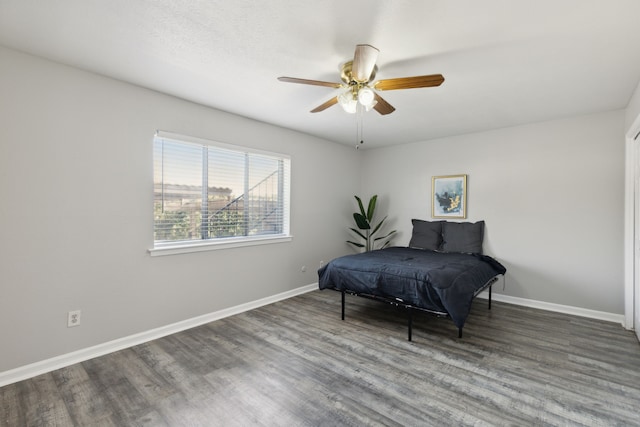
(366, 97)
(348, 102)
(369, 107)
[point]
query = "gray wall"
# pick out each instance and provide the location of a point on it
(551, 195)
(633, 109)
(76, 212)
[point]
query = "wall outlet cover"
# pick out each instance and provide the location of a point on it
(73, 318)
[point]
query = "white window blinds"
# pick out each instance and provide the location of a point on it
(206, 191)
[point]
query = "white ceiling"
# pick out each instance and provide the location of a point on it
(506, 62)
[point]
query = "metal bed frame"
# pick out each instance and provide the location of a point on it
(400, 303)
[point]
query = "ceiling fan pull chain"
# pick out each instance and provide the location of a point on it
(359, 126)
(357, 133)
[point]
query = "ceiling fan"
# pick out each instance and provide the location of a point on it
(360, 88)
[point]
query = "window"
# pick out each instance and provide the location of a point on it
(207, 193)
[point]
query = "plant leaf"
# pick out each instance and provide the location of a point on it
(384, 237)
(378, 226)
(358, 233)
(360, 245)
(361, 221)
(372, 207)
(360, 206)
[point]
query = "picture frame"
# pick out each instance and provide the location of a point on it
(449, 196)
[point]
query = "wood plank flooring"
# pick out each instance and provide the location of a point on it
(295, 363)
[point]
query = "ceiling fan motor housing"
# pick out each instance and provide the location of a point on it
(346, 74)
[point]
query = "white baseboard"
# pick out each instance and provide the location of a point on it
(48, 365)
(559, 308)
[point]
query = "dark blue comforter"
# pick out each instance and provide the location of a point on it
(436, 281)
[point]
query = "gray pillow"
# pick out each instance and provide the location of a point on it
(463, 237)
(426, 234)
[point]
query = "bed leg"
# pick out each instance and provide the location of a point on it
(459, 332)
(490, 287)
(343, 293)
(410, 323)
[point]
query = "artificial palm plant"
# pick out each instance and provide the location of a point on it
(364, 221)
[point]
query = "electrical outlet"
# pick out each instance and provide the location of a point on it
(73, 318)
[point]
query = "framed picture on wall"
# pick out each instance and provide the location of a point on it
(449, 196)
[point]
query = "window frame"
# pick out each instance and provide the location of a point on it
(199, 245)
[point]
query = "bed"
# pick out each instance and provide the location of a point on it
(441, 271)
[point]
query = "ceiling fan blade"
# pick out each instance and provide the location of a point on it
(382, 106)
(309, 82)
(409, 82)
(364, 61)
(329, 103)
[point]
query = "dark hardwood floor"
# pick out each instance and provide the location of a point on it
(295, 363)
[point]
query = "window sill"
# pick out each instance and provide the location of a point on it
(215, 245)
